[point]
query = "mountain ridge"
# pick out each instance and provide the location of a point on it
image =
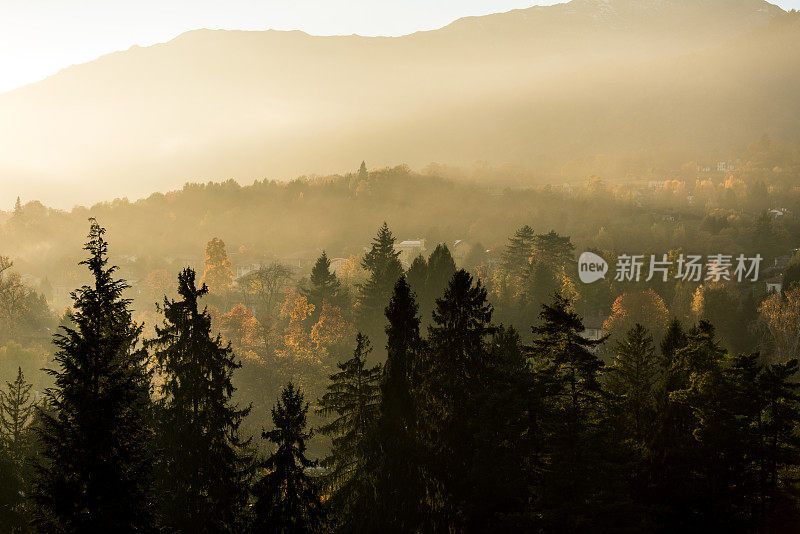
(214, 104)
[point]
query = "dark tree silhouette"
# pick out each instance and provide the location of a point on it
(456, 367)
(352, 399)
(384, 268)
(16, 411)
(518, 251)
(204, 466)
(398, 477)
(324, 286)
(286, 498)
(96, 473)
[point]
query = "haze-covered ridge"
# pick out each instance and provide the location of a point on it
(535, 87)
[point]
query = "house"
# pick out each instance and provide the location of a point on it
(774, 284)
(459, 249)
(777, 213)
(410, 249)
(593, 333)
(336, 264)
(245, 268)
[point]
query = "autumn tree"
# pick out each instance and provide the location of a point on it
(263, 289)
(332, 332)
(646, 308)
(204, 463)
(217, 275)
(297, 343)
(781, 316)
(96, 469)
(242, 329)
(24, 312)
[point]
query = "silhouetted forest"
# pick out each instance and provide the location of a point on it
(448, 400)
(247, 359)
(573, 307)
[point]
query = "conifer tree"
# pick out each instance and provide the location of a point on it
(674, 339)
(519, 250)
(780, 441)
(633, 378)
(204, 468)
(417, 275)
(553, 250)
(398, 477)
(352, 399)
(568, 368)
(559, 345)
(96, 473)
(384, 269)
(16, 410)
(286, 498)
(506, 440)
(456, 369)
(324, 286)
(441, 268)
(363, 174)
(539, 283)
(688, 390)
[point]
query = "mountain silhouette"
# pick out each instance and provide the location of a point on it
(536, 87)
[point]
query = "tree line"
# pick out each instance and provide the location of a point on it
(462, 427)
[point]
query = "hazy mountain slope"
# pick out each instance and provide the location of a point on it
(554, 83)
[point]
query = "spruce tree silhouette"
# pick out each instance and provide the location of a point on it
(204, 469)
(286, 498)
(96, 474)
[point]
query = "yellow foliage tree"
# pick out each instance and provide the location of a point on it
(781, 315)
(645, 307)
(242, 329)
(218, 275)
(297, 342)
(331, 328)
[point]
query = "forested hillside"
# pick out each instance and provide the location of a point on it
(420, 352)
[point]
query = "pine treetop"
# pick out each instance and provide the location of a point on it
(16, 409)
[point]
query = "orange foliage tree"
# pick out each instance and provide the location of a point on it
(332, 328)
(781, 315)
(242, 330)
(645, 307)
(297, 341)
(218, 275)
(312, 342)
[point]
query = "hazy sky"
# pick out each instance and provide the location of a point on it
(40, 37)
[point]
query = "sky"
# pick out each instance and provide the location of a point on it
(40, 37)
